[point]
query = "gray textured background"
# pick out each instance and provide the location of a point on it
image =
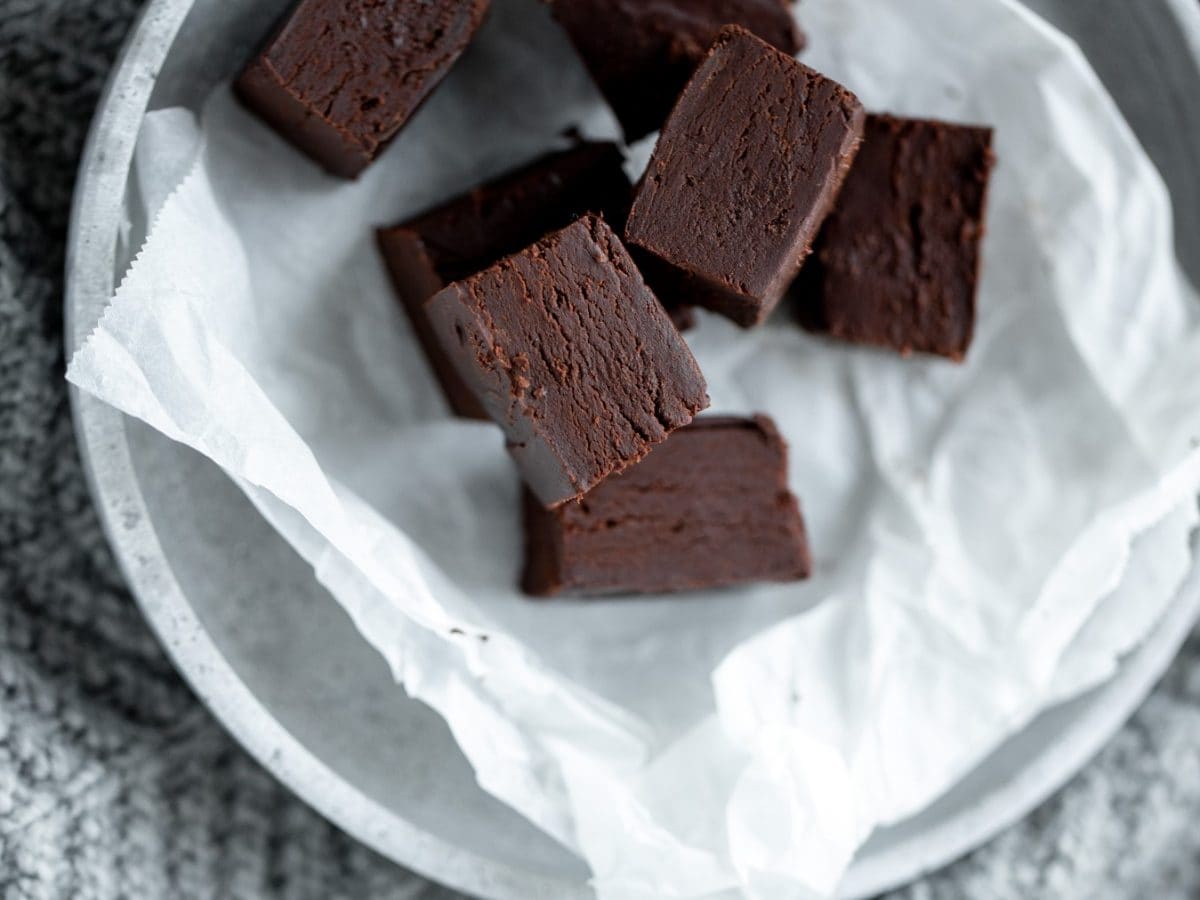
(114, 782)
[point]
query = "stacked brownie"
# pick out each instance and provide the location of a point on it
(572, 355)
(551, 300)
(471, 232)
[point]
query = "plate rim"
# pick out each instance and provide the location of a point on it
(116, 493)
(96, 214)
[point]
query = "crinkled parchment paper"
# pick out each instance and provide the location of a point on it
(989, 537)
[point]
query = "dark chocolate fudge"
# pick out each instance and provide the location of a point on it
(340, 78)
(572, 355)
(682, 315)
(641, 53)
(708, 508)
(897, 263)
(746, 169)
(470, 232)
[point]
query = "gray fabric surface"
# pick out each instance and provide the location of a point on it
(114, 782)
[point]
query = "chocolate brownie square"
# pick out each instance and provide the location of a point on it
(746, 169)
(471, 232)
(708, 508)
(340, 78)
(897, 263)
(572, 355)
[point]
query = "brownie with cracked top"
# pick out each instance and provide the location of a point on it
(572, 355)
(897, 263)
(340, 78)
(745, 171)
(468, 233)
(641, 53)
(708, 508)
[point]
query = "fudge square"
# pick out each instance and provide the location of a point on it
(572, 355)
(472, 231)
(708, 508)
(745, 171)
(641, 53)
(340, 78)
(897, 263)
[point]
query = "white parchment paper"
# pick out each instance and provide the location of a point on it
(990, 538)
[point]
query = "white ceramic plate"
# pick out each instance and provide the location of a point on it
(282, 667)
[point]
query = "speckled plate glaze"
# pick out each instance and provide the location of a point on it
(280, 665)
